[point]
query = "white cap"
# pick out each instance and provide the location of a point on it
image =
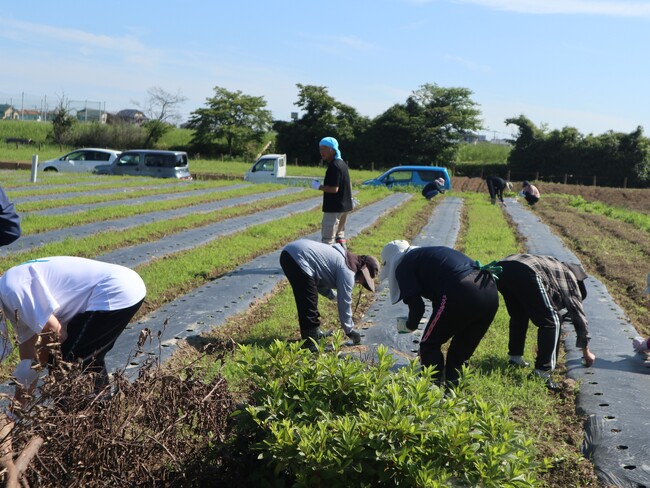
(391, 256)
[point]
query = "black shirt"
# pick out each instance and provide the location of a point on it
(337, 175)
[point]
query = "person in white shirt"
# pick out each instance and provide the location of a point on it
(80, 303)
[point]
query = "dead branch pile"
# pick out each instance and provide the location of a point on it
(157, 430)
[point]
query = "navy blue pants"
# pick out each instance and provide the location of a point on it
(463, 314)
(305, 292)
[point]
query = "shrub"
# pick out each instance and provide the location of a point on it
(333, 420)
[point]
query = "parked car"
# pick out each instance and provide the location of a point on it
(411, 175)
(149, 162)
(80, 160)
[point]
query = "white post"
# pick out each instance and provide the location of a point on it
(34, 167)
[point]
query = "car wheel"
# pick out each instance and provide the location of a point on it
(50, 168)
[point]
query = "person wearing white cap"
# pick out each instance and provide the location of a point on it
(314, 268)
(337, 193)
(463, 295)
(639, 343)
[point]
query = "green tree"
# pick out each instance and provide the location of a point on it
(237, 118)
(62, 123)
(426, 129)
(323, 116)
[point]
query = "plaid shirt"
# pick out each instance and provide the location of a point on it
(562, 287)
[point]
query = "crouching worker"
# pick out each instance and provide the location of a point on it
(537, 288)
(314, 268)
(463, 295)
(80, 303)
(433, 188)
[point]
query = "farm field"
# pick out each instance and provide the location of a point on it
(611, 245)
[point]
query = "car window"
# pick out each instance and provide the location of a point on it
(76, 156)
(400, 176)
(99, 156)
(129, 160)
(431, 175)
(265, 165)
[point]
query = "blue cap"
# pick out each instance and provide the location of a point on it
(333, 143)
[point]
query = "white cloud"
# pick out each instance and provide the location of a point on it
(607, 8)
(470, 65)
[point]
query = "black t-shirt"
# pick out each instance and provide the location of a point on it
(337, 175)
(424, 271)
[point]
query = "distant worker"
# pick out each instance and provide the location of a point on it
(464, 297)
(80, 303)
(337, 193)
(639, 343)
(496, 186)
(9, 221)
(432, 189)
(314, 268)
(538, 288)
(530, 193)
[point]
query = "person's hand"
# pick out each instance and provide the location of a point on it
(588, 356)
(315, 184)
(640, 344)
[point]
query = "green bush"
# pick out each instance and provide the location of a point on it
(332, 420)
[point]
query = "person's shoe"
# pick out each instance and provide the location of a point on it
(518, 361)
(322, 335)
(355, 338)
(546, 376)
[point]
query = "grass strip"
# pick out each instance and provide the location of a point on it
(107, 241)
(121, 195)
(35, 224)
(637, 219)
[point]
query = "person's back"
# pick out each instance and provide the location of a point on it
(337, 174)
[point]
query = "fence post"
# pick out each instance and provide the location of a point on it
(625, 182)
(34, 167)
(536, 175)
(565, 178)
(594, 180)
(508, 175)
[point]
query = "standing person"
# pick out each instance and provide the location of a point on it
(337, 192)
(496, 186)
(530, 193)
(639, 343)
(537, 288)
(81, 303)
(464, 299)
(314, 268)
(9, 221)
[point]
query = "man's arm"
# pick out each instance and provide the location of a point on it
(328, 189)
(416, 311)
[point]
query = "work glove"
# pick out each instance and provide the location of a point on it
(640, 344)
(315, 184)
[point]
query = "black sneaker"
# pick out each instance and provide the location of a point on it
(355, 338)
(520, 363)
(322, 335)
(546, 376)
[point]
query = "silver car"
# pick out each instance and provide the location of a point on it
(149, 162)
(80, 161)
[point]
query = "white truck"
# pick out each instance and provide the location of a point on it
(272, 168)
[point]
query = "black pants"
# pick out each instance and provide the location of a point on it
(531, 199)
(92, 334)
(526, 299)
(463, 314)
(305, 292)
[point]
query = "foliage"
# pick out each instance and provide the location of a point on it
(162, 110)
(62, 122)
(483, 153)
(334, 420)
(426, 129)
(323, 116)
(612, 156)
(238, 118)
(118, 134)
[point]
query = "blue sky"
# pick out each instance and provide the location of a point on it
(577, 63)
